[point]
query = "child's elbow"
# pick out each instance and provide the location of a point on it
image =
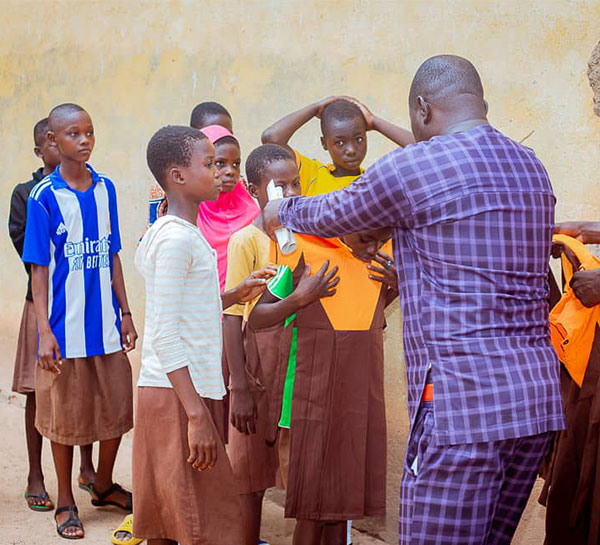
(268, 136)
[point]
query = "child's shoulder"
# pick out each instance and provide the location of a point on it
(41, 189)
(248, 234)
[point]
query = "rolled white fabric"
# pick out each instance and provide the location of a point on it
(285, 238)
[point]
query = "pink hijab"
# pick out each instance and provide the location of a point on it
(232, 211)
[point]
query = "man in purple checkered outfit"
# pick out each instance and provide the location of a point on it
(473, 214)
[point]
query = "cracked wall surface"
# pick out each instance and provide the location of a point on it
(594, 77)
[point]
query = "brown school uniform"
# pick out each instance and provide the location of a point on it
(197, 507)
(572, 489)
(253, 457)
(91, 400)
(27, 346)
(337, 456)
(24, 372)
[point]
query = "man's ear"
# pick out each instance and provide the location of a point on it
(51, 137)
(38, 151)
(175, 176)
(324, 143)
(485, 102)
(424, 110)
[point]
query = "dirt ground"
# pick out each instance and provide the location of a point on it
(20, 526)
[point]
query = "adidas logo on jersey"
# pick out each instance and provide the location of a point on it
(61, 229)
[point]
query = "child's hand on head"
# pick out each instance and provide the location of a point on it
(387, 273)
(50, 358)
(312, 288)
(325, 102)
(367, 114)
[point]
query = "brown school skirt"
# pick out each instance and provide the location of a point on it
(91, 400)
(24, 374)
(337, 463)
(171, 499)
(253, 460)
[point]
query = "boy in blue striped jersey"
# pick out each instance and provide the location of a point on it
(83, 378)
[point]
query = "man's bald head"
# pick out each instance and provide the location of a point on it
(445, 76)
(446, 95)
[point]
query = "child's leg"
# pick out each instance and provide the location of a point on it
(104, 476)
(35, 479)
(335, 533)
(308, 532)
(251, 515)
(86, 466)
(63, 463)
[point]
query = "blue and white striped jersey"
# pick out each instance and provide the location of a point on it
(74, 234)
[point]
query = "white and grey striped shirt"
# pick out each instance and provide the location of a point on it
(183, 307)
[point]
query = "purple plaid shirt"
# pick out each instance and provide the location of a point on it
(473, 215)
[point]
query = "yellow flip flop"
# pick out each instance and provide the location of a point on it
(126, 526)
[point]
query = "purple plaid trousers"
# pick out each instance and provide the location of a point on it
(467, 494)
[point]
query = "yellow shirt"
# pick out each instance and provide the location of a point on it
(318, 179)
(248, 251)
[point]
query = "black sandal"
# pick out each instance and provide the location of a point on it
(101, 501)
(72, 521)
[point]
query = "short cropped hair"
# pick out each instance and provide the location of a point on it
(171, 146)
(40, 130)
(204, 111)
(227, 140)
(63, 109)
(340, 110)
(444, 76)
(259, 160)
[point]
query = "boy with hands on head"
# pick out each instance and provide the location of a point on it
(344, 126)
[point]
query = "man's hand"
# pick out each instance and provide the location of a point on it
(128, 333)
(270, 217)
(50, 358)
(202, 442)
(255, 284)
(312, 288)
(387, 273)
(586, 286)
(243, 411)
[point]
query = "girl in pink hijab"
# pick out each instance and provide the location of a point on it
(234, 208)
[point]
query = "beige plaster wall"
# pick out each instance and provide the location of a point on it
(137, 65)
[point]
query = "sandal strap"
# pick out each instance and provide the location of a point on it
(114, 487)
(70, 508)
(71, 521)
(42, 496)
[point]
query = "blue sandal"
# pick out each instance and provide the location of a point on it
(72, 521)
(44, 497)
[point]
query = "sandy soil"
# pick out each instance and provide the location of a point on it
(20, 526)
